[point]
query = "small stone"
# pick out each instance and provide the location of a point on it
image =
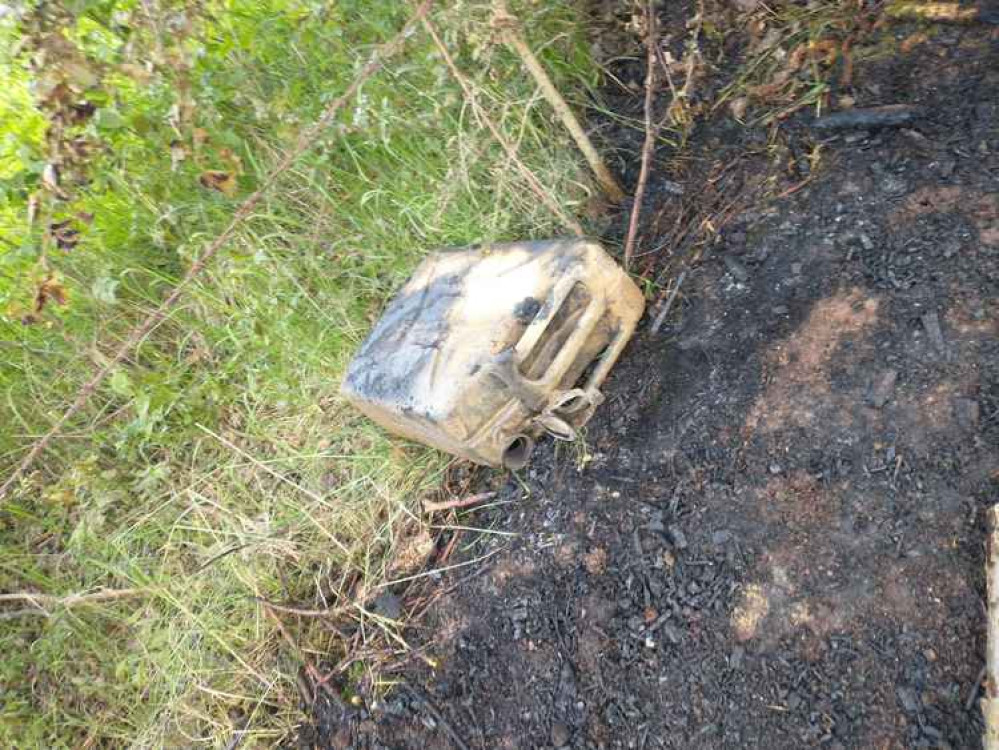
(966, 412)
(796, 269)
(560, 734)
(907, 697)
(883, 388)
(595, 561)
(738, 271)
(678, 538)
(387, 605)
(775, 469)
(779, 309)
(931, 731)
(931, 324)
(894, 185)
(720, 537)
(671, 633)
(945, 167)
(735, 658)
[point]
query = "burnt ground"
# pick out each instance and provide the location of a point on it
(776, 536)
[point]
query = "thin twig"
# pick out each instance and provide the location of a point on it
(509, 28)
(462, 502)
(330, 612)
(669, 303)
(651, 43)
(438, 571)
(466, 86)
(305, 142)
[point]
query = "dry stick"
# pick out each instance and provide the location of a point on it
(509, 28)
(284, 608)
(651, 43)
(305, 141)
(510, 151)
(990, 703)
(462, 502)
(669, 303)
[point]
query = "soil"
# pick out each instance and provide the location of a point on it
(776, 535)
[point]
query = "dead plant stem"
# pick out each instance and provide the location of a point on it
(462, 502)
(651, 130)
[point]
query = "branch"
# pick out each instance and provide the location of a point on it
(509, 28)
(651, 44)
(462, 502)
(305, 142)
(669, 303)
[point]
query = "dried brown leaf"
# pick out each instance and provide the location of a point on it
(215, 179)
(49, 290)
(912, 41)
(412, 553)
(738, 107)
(64, 234)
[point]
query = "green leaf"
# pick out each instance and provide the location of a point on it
(109, 119)
(121, 384)
(105, 290)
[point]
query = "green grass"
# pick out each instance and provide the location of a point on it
(220, 464)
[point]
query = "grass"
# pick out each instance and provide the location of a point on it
(220, 465)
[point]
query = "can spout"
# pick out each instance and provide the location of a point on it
(518, 452)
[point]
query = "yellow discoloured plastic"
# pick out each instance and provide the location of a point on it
(486, 348)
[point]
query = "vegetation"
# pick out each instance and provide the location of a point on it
(218, 467)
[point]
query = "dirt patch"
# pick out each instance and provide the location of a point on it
(775, 537)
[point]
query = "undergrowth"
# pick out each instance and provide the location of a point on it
(219, 467)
